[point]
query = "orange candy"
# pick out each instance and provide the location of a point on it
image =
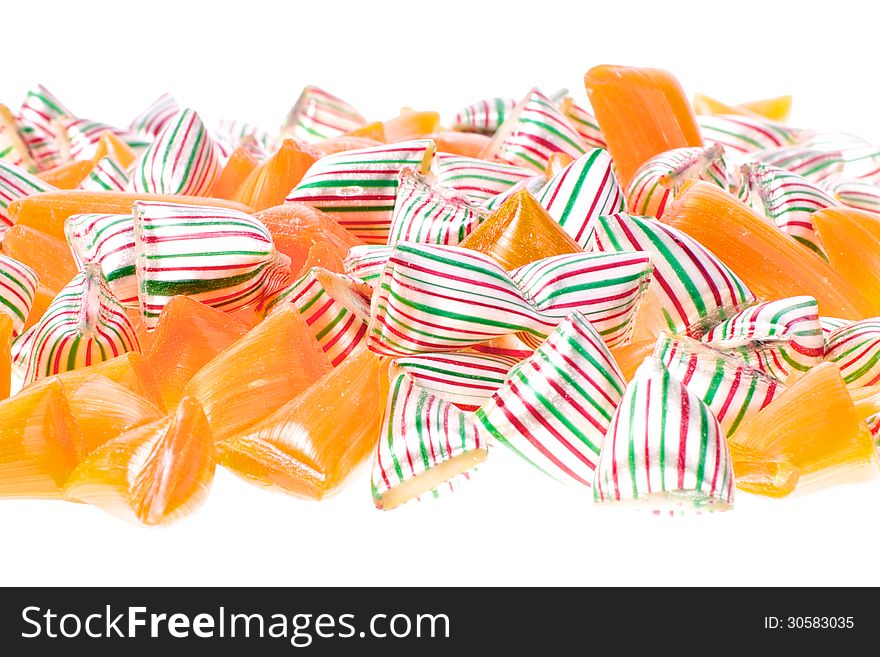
(310, 445)
(111, 145)
(238, 167)
(69, 175)
(557, 163)
(774, 109)
(271, 181)
(629, 356)
(153, 474)
(5, 355)
(47, 255)
(411, 125)
(642, 112)
(466, 144)
(374, 130)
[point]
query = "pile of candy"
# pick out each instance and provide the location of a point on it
(658, 304)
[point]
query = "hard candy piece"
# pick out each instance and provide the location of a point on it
(154, 474)
(108, 241)
(410, 124)
(856, 194)
(319, 115)
(664, 448)
(532, 185)
(366, 262)
(584, 123)
(12, 147)
(463, 144)
(109, 145)
(153, 120)
(477, 179)
(66, 176)
(36, 119)
(776, 109)
(424, 442)
(106, 175)
(270, 182)
(18, 286)
(80, 137)
(15, 184)
(239, 132)
(238, 167)
(484, 116)
(815, 165)
(744, 134)
(855, 349)
(556, 406)
(48, 257)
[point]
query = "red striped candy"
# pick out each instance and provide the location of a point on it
(584, 123)
(484, 116)
(12, 147)
(106, 176)
(318, 115)
(855, 349)
(18, 285)
(365, 262)
(477, 179)
(15, 184)
(108, 241)
(152, 121)
(36, 122)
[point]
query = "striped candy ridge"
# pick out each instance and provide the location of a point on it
(855, 349)
(82, 136)
(12, 147)
(424, 212)
(360, 186)
(465, 379)
(788, 200)
(366, 261)
(326, 305)
(237, 131)
(816, 165)
(108, 241)
(182, 160)
(855, 193)
(484, 116)
(830, 325)
(318, 115)
(582, 191)
(664, 448)
(744, 134)
(16, 183)
(83, 325)
(223, 258)
(424, 441)
(556, 406)
(36, 123)
(443, 298)
(479, 180)
(534, 131)
(106, 176)
(861, 159)
(777, 337)
(153, 120)
(21, 348)
(733, 391)
(18, 285)
(659, 180)
(694, 288)
(532, 185)
(584, 123)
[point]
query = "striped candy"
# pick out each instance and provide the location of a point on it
(424, 212)
(424, 442)
(36, 122)
(855, 193)
(556, 406)
(83, 325)
(532, 185)
(18, 285)
(108, 241)
(318, 115)
(106, 176)
(816, 165)
(861, 159)
(732, 390)
(534, 131)
(81, 136)
(465, 379)
(830, 325)
(360, 186)
(365, 262)
(659, 180)
(582, 191)
(153, 120)
(777, 337)
(584, 123)
(182, 159)
(664, 448)
(328, 306)
(223, 258)
(485, 116)
(12, 147)
(444, 298)
(744, 134)
(693, 288)
(477, 179)
(16, 183)
(238, 131)
(855, 349)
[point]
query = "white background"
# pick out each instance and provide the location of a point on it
(248, 60)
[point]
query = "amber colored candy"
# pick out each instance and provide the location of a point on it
(47, 211)
(411, 125)
(814, 427)
(642, 112)
(68, 175)
(310, 445)
(271, 181)
(42, 299)
(153, 474)
(47, 255)
(772, 264)
(189, 334)
(466, 144)
(341, 144)
(852, 242)
(774, 109)
(374, 130)
(112, 145)
(629, 356)
(307, 236)
(39, 442)
(557, 163)
(518, 232)
(5, 355)
(238, 167)
(269, 366)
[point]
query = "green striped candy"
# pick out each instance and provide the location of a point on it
(108, 241)
(18, 285)
(36, 119)
(318, 115)
(855, 349)
(366, 261)
(484, 116)
(15, 184)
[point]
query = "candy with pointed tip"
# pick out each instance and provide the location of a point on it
(238, 167)
(12, 147)
(731, 389)
(582, 191)
(424, 441)
(532, 185)
(534, 131)
(478, 179)
(484, 116)
(15, 184)
(462, 144)
(154, 474)
(106, 175)
(556, 406)
(223, 258)
(239, 131)
(80, 137)
(426, 212)
(410, 124)
(691, 290)
(855, 349)
(744, 134)
(109, 145)
(664, 448)
(108, 241)
(49, 257)
(318, 115)
(815, 428)
(659, 180)
(777, 337)
(152, 121)
(856, 194)
(271, 180)
(584, 123)
(367, 261)
(360, 186)
(36, 121)
(444, 298)
(310, 446)
(68, 175)
(131, 370)
(815, 165)
(18, 286)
